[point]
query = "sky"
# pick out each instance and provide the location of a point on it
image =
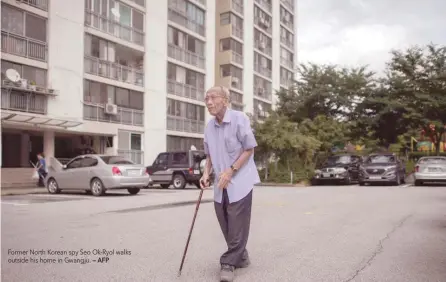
(362, 32)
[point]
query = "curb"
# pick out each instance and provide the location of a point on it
(22, 191)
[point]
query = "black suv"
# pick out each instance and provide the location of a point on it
(382, 167)
(339, 168)
(177, 168)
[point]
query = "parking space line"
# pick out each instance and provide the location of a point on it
(14, 204)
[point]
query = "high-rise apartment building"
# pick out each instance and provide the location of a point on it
(255, 51)
(128, 77)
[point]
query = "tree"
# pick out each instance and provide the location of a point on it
(417, 78)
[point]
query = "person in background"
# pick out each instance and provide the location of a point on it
(41, 169)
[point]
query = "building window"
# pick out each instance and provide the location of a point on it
(185, 110)
(23, 23)
(228, 18)
(231, 44)
(185, 76)
(96, 92)
(32, 74)
(185, 41)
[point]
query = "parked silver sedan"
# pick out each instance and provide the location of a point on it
(96, 174)
(430, 169)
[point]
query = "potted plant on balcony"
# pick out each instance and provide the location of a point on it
(33, 86)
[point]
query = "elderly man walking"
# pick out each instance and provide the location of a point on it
(229, 144)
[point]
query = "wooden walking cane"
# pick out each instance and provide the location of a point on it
(190, 231)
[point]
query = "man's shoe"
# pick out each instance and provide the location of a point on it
(227, 273)
(245, 263)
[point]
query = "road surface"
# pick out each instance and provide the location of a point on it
(324, 233)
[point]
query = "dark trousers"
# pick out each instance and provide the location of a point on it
(42, 175)
(235, 220)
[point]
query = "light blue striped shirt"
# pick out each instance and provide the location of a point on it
(225, 143)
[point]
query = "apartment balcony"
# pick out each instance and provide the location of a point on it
(287, 42)
(114, 28)
(263, 70)
(230, 5)
(288, 23)
(186, 56)
(263, 47)
(185, 125)
(139, 2)
(185, 90)
(232, 82)
(202, 2)
(262, 92)
(265, 5)
(107, 69)
(289, 4)
(287, 63)
(29, 102)
(96, 112)
(39, 4)
(238, 6)
(230, 56)
(286, 82)
(135, 156)
(180, 17)
(264, 24)
(24, 47)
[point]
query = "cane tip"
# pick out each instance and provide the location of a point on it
(179, 273)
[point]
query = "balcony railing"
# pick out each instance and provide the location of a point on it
(39, 4)
(186, 56)
(287, 42)
(289, 4)
(24, 102)
(263, 47)
(288, 63)
(184, 125)
(288, 24)
(113, 71)
(286, 82)
(237, 58)
(135, 156)
(202, 2)
(180, 17)
(23, 46)
(238, 6)
(114, 28)
(237, 32)
(185, 90)
(262, 92)
(262, 70)
(265, 4)
(237, 107)
(264, 25)
(96, 112)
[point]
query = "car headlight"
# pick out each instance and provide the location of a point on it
(390, 168)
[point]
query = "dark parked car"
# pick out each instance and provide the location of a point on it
(177, 168)
(382, 168)
(338, 169)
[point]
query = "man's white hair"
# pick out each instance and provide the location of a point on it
(224, 91)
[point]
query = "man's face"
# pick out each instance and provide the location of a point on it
(215, 102)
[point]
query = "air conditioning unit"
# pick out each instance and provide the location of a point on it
(111, 109)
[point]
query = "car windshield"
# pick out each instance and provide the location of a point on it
(380, 159)
(433, 161)
(338, 160)
(116, 160)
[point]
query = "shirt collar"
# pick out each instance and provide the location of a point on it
(226, 118)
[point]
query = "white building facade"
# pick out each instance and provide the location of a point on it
(120, 77)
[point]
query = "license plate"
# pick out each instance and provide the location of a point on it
(196, 171)
(133, 173)
(325, 174)
(375, 177)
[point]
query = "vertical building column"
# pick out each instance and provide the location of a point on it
(48, 146)
(24, 150)
(276, 51)
(248, 56)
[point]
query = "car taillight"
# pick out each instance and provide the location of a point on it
(116, 171)
(148, 171)
(417, 169)
(191, 170)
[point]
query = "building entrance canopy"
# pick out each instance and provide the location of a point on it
(38, 120)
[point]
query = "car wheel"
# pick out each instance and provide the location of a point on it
(348, 179)
(52, 186)
(178, 181)
(398, 180)
(97, 187)
(165, 186)
(403, 179)
(418, 183)
(133, 191)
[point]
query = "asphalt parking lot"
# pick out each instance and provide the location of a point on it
(323, 233)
